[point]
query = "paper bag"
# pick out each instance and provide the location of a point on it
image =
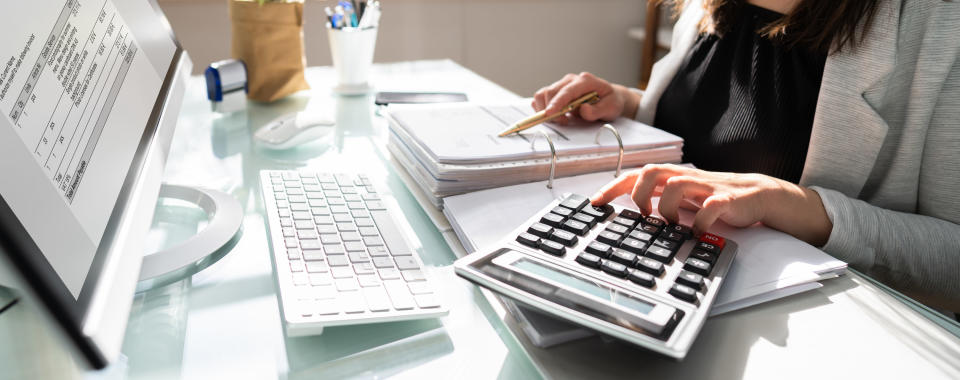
(269, 39)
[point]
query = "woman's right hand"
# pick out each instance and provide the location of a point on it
(615, 100)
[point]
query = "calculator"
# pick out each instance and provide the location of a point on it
(611, 269)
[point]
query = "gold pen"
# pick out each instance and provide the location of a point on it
(540, 117)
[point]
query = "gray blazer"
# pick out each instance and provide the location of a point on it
(885, 147)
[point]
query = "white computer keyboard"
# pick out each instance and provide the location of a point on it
(340, 258)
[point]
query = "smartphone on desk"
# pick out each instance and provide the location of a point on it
(384, 98)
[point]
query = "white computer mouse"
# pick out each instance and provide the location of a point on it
(293, 129)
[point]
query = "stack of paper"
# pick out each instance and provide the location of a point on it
(769, 264)
(453, 149)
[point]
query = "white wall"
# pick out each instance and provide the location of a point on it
(520, 44)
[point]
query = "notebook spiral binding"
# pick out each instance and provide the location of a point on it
(553, 150)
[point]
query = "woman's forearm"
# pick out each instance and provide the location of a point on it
(797, 211)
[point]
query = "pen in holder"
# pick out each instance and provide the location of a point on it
(352, 52)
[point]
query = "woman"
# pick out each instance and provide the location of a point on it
(837, 122)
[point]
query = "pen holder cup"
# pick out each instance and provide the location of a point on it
(352, 52)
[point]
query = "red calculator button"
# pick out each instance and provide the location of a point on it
(713, 239)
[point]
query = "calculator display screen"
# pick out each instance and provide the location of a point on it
(583, 285)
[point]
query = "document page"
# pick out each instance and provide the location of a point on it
(75, 95)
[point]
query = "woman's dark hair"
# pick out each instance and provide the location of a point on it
(819, 25)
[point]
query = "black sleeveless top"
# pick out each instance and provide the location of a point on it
(743, 102)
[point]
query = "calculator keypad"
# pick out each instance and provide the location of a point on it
(628, 246)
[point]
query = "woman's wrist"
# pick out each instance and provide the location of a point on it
(798, 211)
(631, 101)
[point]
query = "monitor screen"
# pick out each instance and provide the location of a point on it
(78, 82)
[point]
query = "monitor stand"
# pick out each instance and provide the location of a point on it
(225, 215)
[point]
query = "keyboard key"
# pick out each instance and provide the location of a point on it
(297, 266)
(291, 242)
(641, 278)
(355, 247)
(684, 292)
(610, 237)
(659, 253)
(307, 234)
(320, 211)
(633, 245)
(427, 301)
(668, 244)
(624, 257)
(589, 260)
(672, 236)
(342, 227)
(293, 254)
(341, 272)
(355, 205)
(350, 236)
(317, 267)
(406, 262)
(346, 284)
(314, 195)
(700, 254)
(654, 221)
(599, 249)
(313, 255)
(364, 268)
(327, 229)
(575, 202)
(552, 219)
(337, 260)
(562, 211)
(383, 262)
(334, 201)
(326, 307)
(330, 238)
(364, 222)
(564, 237)
(368, 280)
(377, 251)
(284, 213)
(322, 284)
(323, 219)
(697, 266)
(651, 266)
(614, 268)
(389, 273)
(358, 257)
(300, 279)
(630, 214)
(599, 212)
(553, 247)
(584, 218)
(374, 205)
(334, 249)
(368, 231)
(540, 229)
(629, 223)
(420, 287)
(341, 218)
(377, 299)
(289, 232)
(529, 240)
(299, 207)
(641, 235)
(717, 241)
(400, 295)
(575, 226)
(353, 302)
(310, 244)
(372, 241)
(648, 228)
(413, 275)
(617, 228)
(690, 279)
(360, 213)
(286, 222)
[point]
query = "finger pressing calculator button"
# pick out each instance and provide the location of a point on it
(690, 279)
(599, 212)
(614, 268)
(654, 221)
(659, 253)
(575, 202)
(589, 260)
(540, 229)
(610, 237)
(552, 219)
(582, 217)
(630, 214)
(629, 223)
(575, 226)
(668, 244)
(619, 229)
(623, 257)
(651, 266)
(641, 278)
(683, 292)
(562, 211)
(697, 266)
(529, 240)
(566, 238)
(703, 255)
(599, 249)
(552, 247)
(633, 245)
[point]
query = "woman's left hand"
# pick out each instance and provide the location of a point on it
(737, 199)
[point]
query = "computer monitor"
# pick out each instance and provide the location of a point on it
(89, 96)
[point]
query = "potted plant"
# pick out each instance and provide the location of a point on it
(268, 38)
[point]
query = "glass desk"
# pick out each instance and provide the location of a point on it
(225, 322)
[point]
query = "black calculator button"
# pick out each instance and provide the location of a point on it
(619, 229)
(690, 279)
(703, 255)
(624, 257)
(552, 247)
(648, 228)
(641, 278)
(599, 212)
(566, 238)
(651, 266)
(681, 229)
(684, 292)
(614, 268)
(668, 244)
(641, 235)
(529, 240)
(589, 260)
(629, 223)
(659, 253)
(654, 221)
(575, 226)
(552, 219)
(575, 202)
(540, 229)
(610, 237)
(629, 214)
(697, 266)
(584, 218)
(708, 247)
(633, 245)
(599, 249)
(672, 236)
(562, 211)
